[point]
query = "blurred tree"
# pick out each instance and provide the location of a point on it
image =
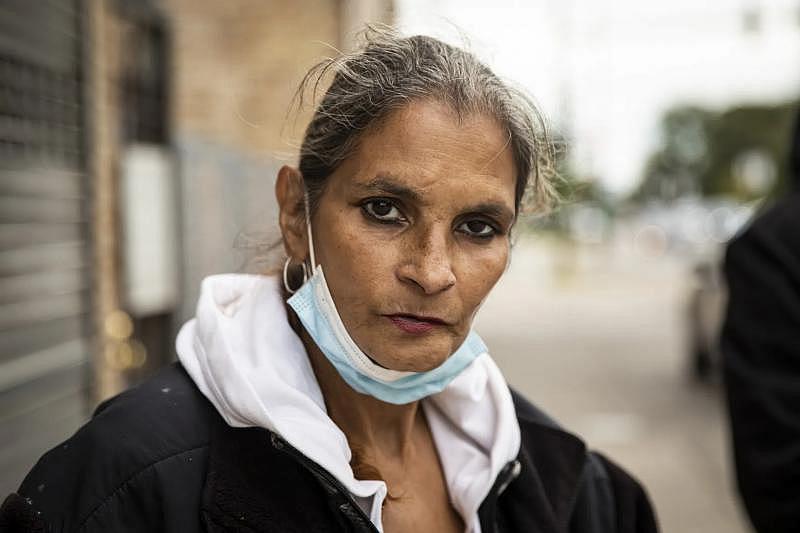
(741, 152)
(673, 169)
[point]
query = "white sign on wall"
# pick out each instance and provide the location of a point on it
(149, 229)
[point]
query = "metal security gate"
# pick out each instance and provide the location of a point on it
(44, 224)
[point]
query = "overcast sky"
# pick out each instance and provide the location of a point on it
(604, 71)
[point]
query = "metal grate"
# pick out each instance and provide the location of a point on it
(44, 271)
(39, 114)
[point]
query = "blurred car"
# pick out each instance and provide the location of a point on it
(705, 312)
(708, 295)
(697, 230)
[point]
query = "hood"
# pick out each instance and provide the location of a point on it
(246, 359)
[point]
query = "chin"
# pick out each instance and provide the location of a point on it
(420, 356)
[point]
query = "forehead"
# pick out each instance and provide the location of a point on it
(428, 147)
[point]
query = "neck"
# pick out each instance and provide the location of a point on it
(375, 428)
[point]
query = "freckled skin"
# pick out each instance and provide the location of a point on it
(426, 266)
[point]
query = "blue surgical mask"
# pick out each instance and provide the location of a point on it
(316, 309)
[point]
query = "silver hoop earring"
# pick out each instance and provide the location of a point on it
(286, 275)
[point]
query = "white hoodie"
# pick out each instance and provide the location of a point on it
(247, 360)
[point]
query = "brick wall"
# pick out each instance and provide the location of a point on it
(236, 67)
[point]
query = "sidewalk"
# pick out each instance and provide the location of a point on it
(596, 338)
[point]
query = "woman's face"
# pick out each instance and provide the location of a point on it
(412, 232)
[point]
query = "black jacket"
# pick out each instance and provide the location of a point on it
(761, 356)
(160, 458)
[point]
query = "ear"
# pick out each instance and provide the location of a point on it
(289, 192)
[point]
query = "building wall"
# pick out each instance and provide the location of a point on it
(236, 65)
(236, 68)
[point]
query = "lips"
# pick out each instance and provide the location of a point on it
(414, 324)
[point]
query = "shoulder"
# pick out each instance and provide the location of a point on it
(542, 435)
(778, 227)
(583, 487)
(762, 267)
(611, 494)
(142, 440)
(165, 413)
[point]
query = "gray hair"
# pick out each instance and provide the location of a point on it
(389, 71)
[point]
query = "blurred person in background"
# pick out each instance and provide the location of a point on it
(358, 398)
(761, 356)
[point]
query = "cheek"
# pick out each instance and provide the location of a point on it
(340, 246)
(361, 255)
(356, 266)
(481, 271)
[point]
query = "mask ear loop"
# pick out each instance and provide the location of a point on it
(310, 238)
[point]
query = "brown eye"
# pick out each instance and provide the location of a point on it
(477, 228)
(382, 210)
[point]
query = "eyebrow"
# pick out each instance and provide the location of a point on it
(492, 209)
(389, 184)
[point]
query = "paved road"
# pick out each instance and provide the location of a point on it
(595, 336)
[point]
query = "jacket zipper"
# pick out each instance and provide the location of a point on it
(507, 475)
(280, 444)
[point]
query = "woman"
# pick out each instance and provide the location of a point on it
(350, 393)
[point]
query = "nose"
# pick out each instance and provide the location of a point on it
(428, 265)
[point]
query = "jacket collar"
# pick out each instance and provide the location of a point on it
(552, 461)
(252, 482)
